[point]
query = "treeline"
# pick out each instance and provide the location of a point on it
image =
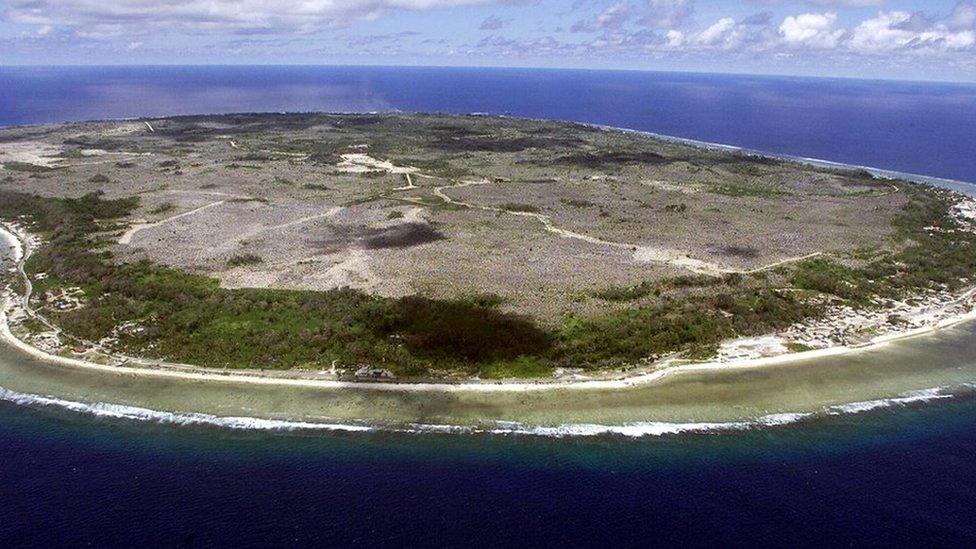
(189, 318)
(935, 253)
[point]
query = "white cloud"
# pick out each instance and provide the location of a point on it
(963, 17)
(724, 34)
(212, 15)
(613, 16)
(610, 18)
(811, 30)
(898, 30)
(849, 3)
(675, 38)
(667, 14)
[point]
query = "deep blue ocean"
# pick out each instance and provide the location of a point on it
(903, 126)
(899, 476)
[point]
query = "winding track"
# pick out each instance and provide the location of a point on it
(126, 237)
(640, 253)
(648, 254)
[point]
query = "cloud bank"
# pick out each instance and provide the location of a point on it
(119, 16)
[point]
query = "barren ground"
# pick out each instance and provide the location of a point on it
(546, 215)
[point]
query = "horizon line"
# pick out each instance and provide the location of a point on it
(493, 67)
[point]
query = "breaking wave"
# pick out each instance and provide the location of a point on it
(121, 411)
(924, 395)
(628, 430)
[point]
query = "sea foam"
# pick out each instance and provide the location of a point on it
(924, 395)
(628, 430)
(121, 411)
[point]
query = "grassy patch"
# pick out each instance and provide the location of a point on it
(524, 367)
(516, 207)
(244, 259)
(795, 347)
(577, 203)
(695, 324)
(612, 158)
(163, 208)
(27, 167)
(627, 293)
(748, 190)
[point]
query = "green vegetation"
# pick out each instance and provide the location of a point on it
(750, 190)
(163, 208)
(244, 259)
(189, 318)
(515, 207)
(27, 167)
(98, 178)
(935, 254)
(612, 158)
(71, 154)
(694, 324)
(578, 203)
(795, 347)
(633, 293)
(627, 293)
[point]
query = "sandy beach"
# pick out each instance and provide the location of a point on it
(20, 249)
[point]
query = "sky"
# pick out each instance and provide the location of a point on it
(895, 39)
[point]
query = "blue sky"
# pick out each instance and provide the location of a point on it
(932, 39)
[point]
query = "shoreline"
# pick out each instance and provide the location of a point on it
(965, 187)
(20, 250)
(162, 369)
(958, 185)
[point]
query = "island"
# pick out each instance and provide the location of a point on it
(397, 248)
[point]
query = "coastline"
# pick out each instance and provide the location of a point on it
(958, 185)
(161, 369)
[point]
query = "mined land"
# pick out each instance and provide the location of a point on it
(419, 246)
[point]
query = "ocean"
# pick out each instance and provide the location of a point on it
(900, 474)
(892, 477)
(911, 127)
